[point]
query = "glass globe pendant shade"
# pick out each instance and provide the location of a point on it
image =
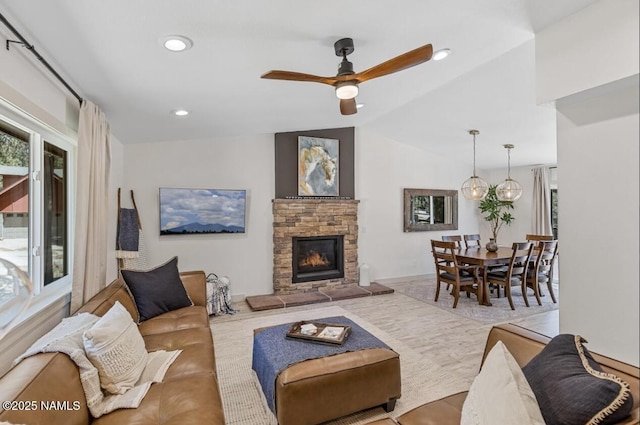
(474, 188)
(15, 295)
(509, 190)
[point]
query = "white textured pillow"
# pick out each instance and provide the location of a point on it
(500, 394)
(116, 348)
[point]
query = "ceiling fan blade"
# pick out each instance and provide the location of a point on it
(298, 76)
(404, 61)
(348, 106)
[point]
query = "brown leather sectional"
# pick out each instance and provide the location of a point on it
(524, 345)
(188, 395)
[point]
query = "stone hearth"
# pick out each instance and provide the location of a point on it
(309, 218)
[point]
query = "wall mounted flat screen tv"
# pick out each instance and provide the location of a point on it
(202, 211)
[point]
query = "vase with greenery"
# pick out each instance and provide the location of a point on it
(496, 211)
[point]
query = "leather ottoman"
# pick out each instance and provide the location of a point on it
(321, 389)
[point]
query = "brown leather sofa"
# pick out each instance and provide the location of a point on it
(524, 345)
(188, 395)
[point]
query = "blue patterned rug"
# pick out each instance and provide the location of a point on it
(425, 291)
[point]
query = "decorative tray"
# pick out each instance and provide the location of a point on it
(319, 332)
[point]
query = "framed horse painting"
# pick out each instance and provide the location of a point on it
(318, 166)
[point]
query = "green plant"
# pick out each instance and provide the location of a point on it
(496, 211)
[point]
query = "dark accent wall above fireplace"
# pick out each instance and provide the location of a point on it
(286, 157)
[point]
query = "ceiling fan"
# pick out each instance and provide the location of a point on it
(346, 81)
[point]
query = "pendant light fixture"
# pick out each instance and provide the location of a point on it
(509, 189)
(474, 188)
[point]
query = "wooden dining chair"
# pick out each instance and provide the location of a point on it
(472, 241)
(458, 241)
(516, 273)
(536, 238)
(454, 238)
(541, 271)
(449, 271)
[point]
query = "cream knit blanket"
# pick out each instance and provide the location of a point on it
(67, 338)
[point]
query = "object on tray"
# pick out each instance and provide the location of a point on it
(324, 333)
(308, 329)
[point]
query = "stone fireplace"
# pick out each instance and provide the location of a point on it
(315, 244)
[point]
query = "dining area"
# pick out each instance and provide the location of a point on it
(464, 265)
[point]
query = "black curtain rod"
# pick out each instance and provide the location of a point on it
(32, 49)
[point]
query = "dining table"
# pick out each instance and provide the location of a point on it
(484, 259)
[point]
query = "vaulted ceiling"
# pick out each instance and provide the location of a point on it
(110, 52)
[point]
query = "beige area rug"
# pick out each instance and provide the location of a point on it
(425, 290)
(422, 379)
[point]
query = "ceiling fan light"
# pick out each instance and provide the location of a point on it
(475, 188)
(509, 190)
(346, 90)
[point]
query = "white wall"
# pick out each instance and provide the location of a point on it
(242, 163)
(598, 215)
(598, 171)
(384, 167)
(26, 84)
(115, 181)
(590, 48)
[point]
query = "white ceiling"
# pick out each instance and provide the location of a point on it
(109, 51)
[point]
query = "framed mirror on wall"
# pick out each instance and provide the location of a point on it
(430, 210)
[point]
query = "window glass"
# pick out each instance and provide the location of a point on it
(54, 213)
(14, 195)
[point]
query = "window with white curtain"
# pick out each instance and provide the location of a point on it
(36, 169)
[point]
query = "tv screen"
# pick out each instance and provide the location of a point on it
(202, 211)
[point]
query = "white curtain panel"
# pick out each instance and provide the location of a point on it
(90, 249)
(541, 205)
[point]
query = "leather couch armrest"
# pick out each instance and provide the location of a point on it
(195, 282)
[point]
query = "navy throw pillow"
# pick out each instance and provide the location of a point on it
(158, 290)
(571, 387)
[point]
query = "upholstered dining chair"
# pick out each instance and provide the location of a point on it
(541, 270)
(516, 273)
(472, 241)
(454, 238)
(449, 271)
(536, 238)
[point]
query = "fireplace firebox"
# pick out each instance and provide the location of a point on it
(317, 258)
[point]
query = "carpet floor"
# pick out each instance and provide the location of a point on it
(423, 379)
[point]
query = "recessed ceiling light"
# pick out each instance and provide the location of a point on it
(438, 55)
(360, 105)
(180, 112)
(176, 43)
